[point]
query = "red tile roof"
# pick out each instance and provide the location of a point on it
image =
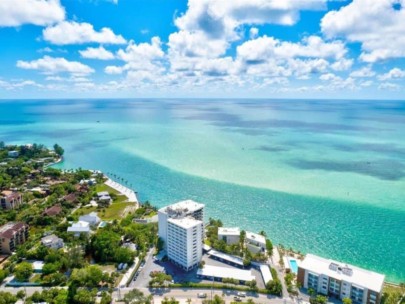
(54, 210)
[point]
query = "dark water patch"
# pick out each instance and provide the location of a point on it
(385, 149)
(382, 169)
(272, 148)
(314, 127)
(250, 132)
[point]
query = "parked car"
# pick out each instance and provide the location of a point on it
(201, 295)
(237, 299)
(241, 294)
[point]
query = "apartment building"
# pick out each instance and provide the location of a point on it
(11, 235)
(340, 280)
(255, 242)
(229, 235)
(184, 242)
(181, 227)
(10, 199)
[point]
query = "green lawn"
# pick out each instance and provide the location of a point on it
(114, 211)
(104, 187)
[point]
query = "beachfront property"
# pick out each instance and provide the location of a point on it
(340, 280)
(79, 227)
(184, 242)
(52, 241)
(11, 235)
(104, 197)
(90, 218)
(10, 200)
(255, 242)
(181, 228)
(229, 235)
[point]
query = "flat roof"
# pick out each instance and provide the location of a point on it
(187, 206)
(344, 272)
(256, 237)
(266, 273)
(229, 231)
(186, 222)
(225, 272)
(226, 257)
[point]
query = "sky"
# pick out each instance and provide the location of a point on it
(202, 48)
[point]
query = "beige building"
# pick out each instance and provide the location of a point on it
(340, 280)
(10, 199)
(11, 235)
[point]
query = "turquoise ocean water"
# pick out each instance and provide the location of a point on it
(324, 176)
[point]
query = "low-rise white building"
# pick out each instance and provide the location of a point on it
(218, 273)
(52, 241)
(79, 227)
(341, 280)
(13, 154)
(229, 235)
(90, 218)
(255, 242)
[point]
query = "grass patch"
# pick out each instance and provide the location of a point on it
(104, 187)
(36, 278)
(114, 211)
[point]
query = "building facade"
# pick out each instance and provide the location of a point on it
(229, 235)
(10, 200)
(184, 242)
(52, 241)
(181, 228)
(11, 235)
(255, 242)
(340, 280)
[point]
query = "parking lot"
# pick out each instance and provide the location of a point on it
(142, 278)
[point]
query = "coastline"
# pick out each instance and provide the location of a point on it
(129, 193)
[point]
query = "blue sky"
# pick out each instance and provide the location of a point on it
(202, 48)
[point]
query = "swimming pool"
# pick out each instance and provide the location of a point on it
(293, 265)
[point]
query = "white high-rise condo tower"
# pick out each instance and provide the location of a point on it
(181, 227)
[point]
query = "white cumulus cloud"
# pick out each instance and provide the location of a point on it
(97, 53)
(395, 73)
(52, 65)
(71, 32)
(377, 25)
(37, 12)
(364, 72)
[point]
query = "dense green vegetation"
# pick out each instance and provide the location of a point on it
(274, 287)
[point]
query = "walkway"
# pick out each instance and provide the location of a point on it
(130, 194)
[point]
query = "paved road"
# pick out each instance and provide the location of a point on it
(183, 294)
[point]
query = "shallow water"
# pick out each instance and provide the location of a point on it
(326, 177)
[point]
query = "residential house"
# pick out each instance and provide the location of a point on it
(255, 242)
(13, 154)
(90, 218)
(229, 235)
(53, 211)
(52, 241)
(79, 227)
